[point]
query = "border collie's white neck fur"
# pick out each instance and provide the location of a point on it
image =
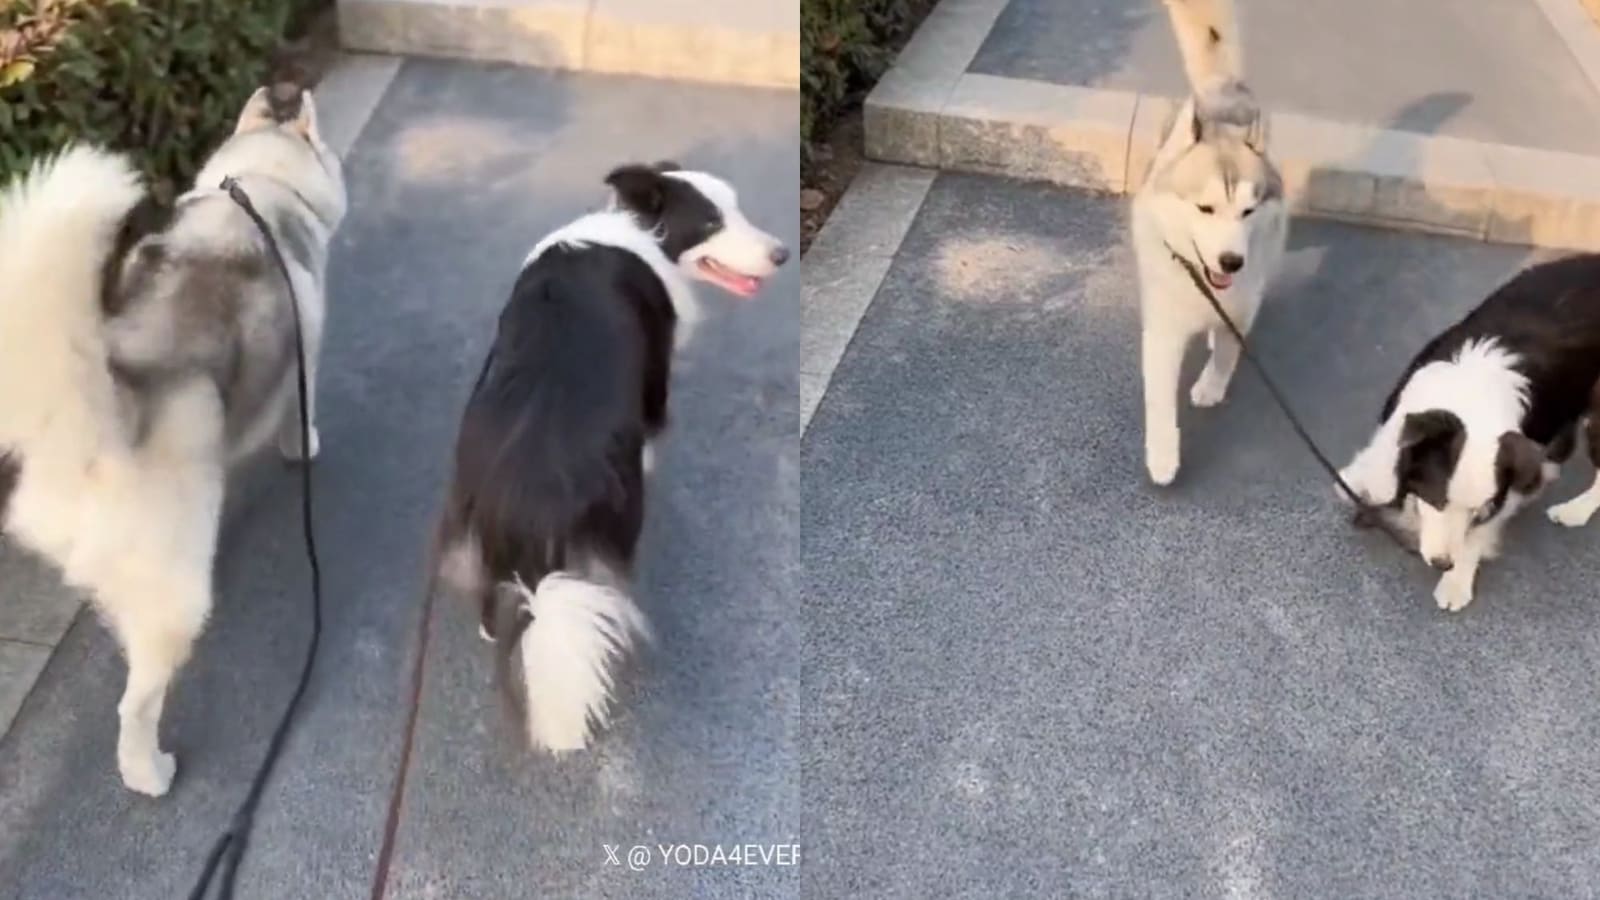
(616, 228)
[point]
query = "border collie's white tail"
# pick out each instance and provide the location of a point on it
(1208, 38)
(58, 225)
(581, 632)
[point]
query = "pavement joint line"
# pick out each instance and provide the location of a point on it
(732, 42)
(10, 711)
(29, 642)
(846, 265)
(1347, 172)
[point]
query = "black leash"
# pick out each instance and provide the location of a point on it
(231, 844)
(1367, 515)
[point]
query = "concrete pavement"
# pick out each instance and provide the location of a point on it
(1030, 673)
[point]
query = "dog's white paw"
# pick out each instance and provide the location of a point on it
(152, 776)
(289, 446)
(1453, 594)
(1161, 459)
(1574, 513)
(1208, 390)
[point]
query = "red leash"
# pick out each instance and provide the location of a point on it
(391, 825)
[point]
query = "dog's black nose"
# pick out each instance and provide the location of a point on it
(1230, 262)
(1441, 563)
(780, 256)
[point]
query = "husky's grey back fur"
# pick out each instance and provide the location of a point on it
(204, 297)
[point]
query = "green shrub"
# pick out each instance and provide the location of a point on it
(845, 45)
(162, 79)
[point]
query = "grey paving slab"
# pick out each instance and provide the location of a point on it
(34, 605)
(462, 168)
(1028, 673)
(1493, 70)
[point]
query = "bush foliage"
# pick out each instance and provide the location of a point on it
(162, 79)
(845, 45)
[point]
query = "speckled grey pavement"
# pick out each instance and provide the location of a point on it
(1490, 70)
(1027, 672)
(461, 169)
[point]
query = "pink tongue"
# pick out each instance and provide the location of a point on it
(744, 285)
(1219, 280)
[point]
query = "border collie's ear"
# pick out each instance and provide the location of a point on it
(1427, 427)
(667, 165)
(1520, 462)
(638, 189)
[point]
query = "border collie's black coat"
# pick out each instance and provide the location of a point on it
(1549, 316)
(1485, 414)
(549, 460)
(547, 500)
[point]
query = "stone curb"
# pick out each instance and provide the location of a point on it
(846, 264)
(929, 111)
(754, 42)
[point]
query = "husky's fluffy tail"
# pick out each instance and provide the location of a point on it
(1208, 38)
(58, 226)
(576, 634)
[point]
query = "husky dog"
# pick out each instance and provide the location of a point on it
(135, 367)
(1483, 418)
(547, 500)
(1211, 207)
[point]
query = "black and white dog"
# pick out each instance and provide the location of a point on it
(1484, 417)
(547, 498)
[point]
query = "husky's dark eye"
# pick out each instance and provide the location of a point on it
(1206, 208)
(1246, 213)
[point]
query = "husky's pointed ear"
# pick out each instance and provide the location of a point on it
(1197, 125)
(292, 106)
(257, 113)
(1255, 137)
(638, 189)
(306, 124)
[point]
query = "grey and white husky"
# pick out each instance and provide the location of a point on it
(205, 293)
(135, 369)
(1212, 199)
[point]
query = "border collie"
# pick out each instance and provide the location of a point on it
(1484, 417)
(547, 499)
